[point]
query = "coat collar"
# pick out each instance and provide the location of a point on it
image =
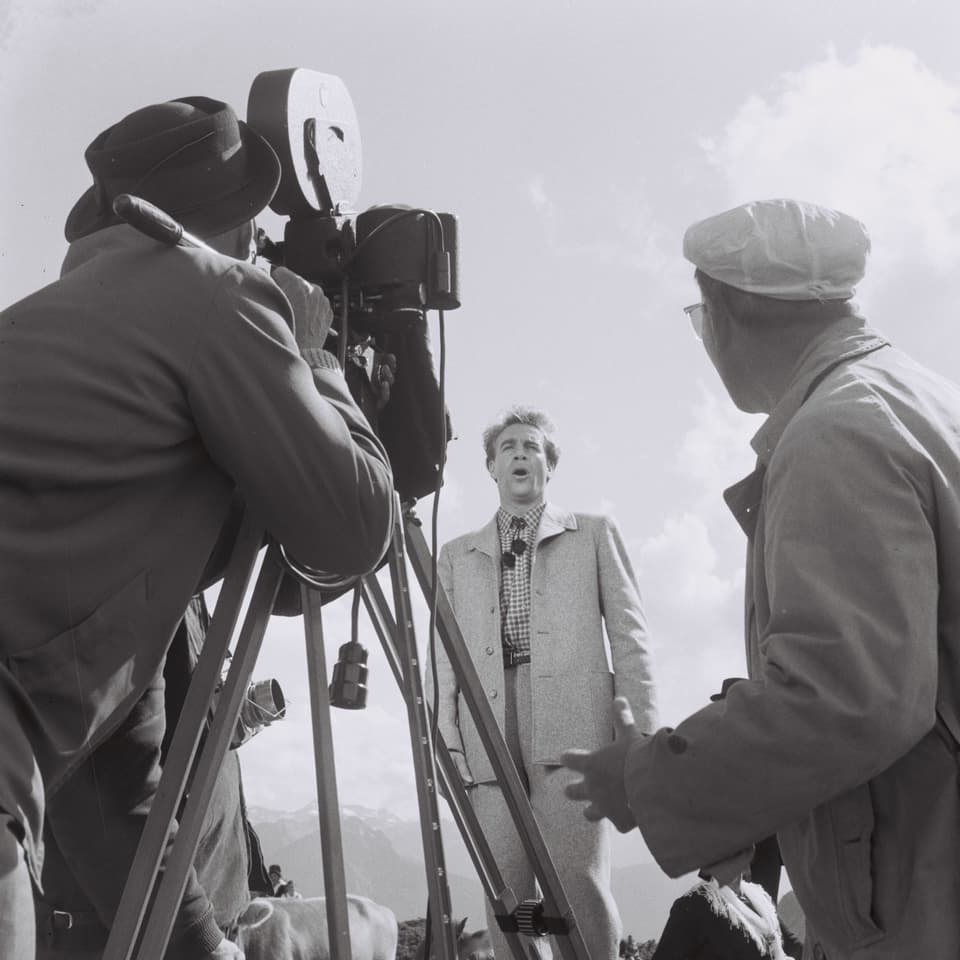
(554, 520)
(121, 237)
(846, 340)
(849, 339)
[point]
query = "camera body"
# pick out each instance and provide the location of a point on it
(381, 268)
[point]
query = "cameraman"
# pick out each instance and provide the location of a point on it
(136, 394)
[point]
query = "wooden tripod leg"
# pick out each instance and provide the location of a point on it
(328, 806)
(143, 872)
(555, 899)
(229, 701)
(504, 900)
(423, 755)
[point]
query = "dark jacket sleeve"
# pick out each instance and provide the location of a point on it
(297, 446)
(683, 933)
(848, 681)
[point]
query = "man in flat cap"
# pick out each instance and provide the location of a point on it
(844, 741)
(138, 394)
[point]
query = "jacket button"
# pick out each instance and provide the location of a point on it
(677, 743)
(494, 694)
(489, 651)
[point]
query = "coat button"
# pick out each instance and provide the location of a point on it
(494, 694)
(677, 743)
(489, 651)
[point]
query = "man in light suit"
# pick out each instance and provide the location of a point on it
(532, 591)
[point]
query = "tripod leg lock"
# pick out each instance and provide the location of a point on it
(529, 919)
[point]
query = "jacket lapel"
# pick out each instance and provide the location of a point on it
(486, 540)
(555, 520)
(743, 499)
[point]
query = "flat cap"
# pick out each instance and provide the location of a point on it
(785, 249)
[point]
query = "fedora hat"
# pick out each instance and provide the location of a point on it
(191, 157)
(725, 688)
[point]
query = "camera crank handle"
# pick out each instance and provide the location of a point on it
(153, 221)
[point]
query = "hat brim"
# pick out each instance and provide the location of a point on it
(205, 219)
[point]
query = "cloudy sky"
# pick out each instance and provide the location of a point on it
(575, 140)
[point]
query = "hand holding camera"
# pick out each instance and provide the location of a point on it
(312, 313)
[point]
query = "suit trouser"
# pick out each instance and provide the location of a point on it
(580, 850)
(97, 815)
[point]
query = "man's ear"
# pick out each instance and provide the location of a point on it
(493, 476)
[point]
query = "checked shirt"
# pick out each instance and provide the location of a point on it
(515, 579)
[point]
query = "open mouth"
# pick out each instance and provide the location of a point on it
(521, 473)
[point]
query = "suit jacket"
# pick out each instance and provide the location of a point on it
(136, 393)
(581, 580)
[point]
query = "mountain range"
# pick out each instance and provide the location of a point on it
(384, 861)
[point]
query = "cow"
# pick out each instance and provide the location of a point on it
(473, 946)
(282, 928)
(470, 946)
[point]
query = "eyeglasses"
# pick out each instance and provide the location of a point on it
(695, 315)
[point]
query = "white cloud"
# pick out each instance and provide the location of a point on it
(691, 572)
(371, 746)
(715, 451)
(877, 137)
(544, 206)
(626, 235)
(695, 605)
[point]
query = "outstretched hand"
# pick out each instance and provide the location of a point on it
(602, 772)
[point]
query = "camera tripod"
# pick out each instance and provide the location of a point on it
(145, 917)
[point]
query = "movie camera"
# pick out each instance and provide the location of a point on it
(381, 268)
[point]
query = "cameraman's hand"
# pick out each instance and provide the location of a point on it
(312, 313)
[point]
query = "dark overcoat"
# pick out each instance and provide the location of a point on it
(136, 393)
(845, 743)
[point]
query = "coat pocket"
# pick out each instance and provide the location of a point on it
(78, 680)
(837, 842)
(474, 752)
(853, 824)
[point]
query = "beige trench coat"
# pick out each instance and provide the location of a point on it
(581, 579)
(845, 743)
